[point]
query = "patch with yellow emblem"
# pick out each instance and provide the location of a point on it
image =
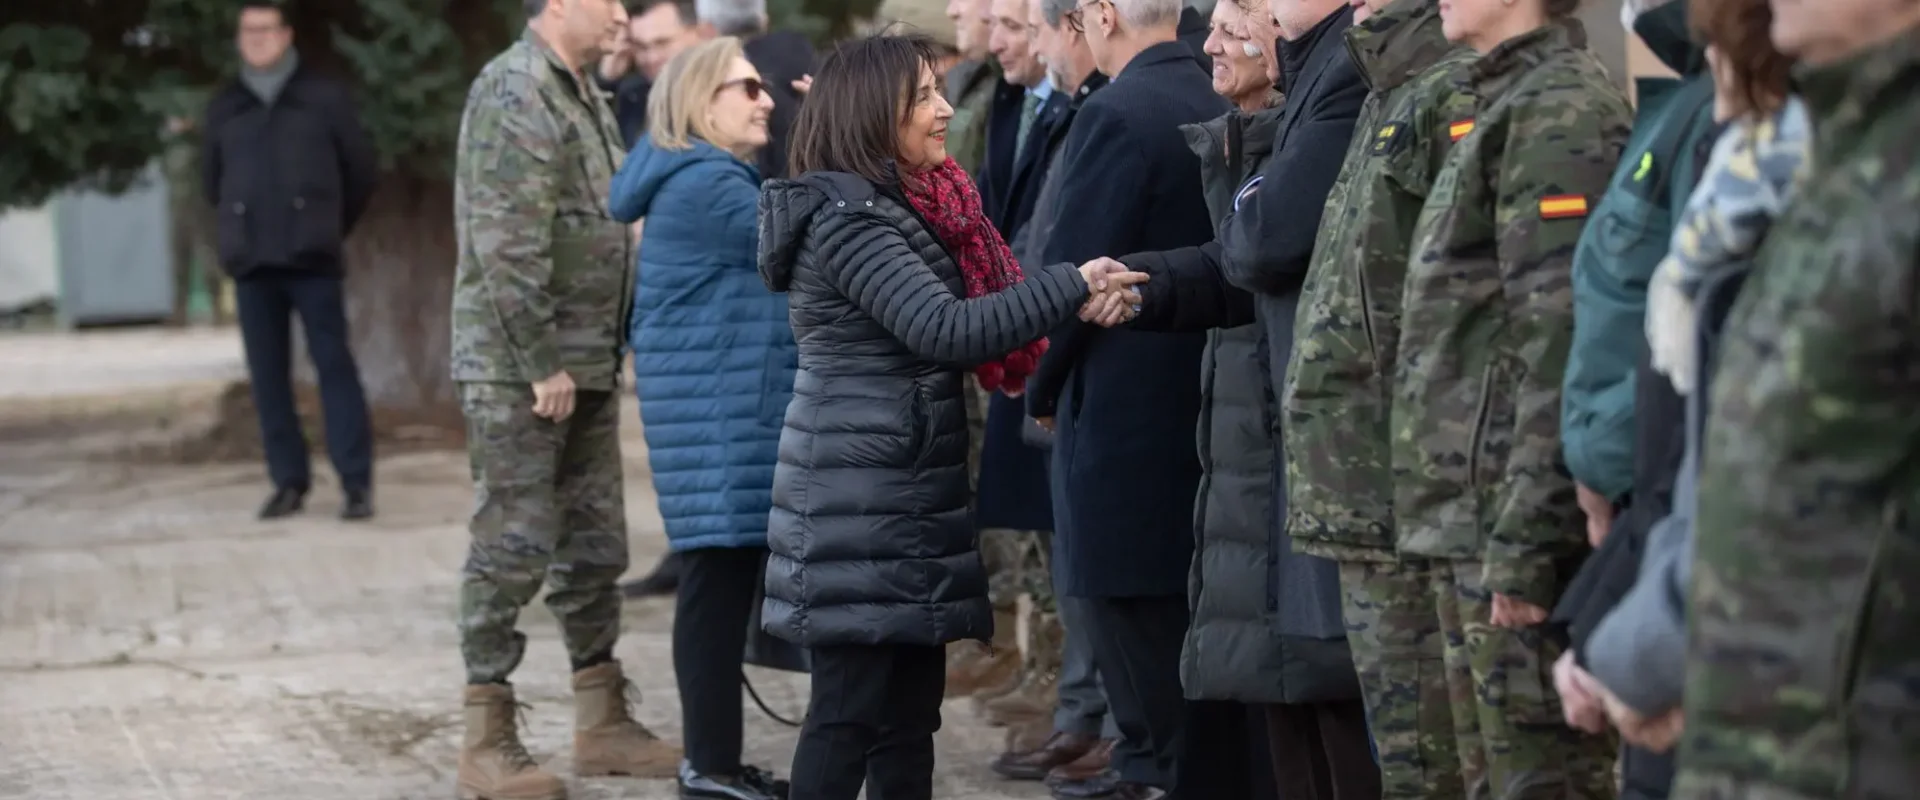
(1563, 206)
(1389, 133)
(1459, 130)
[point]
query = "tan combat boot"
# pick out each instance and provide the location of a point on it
(493, 763)
(1035, 698)
(606, 738)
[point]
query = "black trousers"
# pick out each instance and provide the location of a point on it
(872, 718)
(1136, 645)
(268, 299)
(709, 635)
(1321, 751)
(1225, 754)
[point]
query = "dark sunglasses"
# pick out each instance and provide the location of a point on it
(752, 87)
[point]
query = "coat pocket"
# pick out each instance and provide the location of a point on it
(230, 232)
(923, 435)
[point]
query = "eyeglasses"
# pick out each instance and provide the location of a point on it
(751, 87)
(1076, 19)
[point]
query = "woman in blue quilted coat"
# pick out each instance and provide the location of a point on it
(713, 361)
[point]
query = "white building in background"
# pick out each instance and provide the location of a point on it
(101, 259)
(29, 260)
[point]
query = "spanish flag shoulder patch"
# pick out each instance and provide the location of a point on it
(1459, 130)
(1563, 206)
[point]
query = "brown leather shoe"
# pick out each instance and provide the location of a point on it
(1033, 765)
(1087, 767)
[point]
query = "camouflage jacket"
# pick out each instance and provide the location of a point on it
(970, 91)
(545, 272)
(1339, 479)
(1803, 674)
(1488, 315)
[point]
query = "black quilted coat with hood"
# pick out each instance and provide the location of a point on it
(872, 525)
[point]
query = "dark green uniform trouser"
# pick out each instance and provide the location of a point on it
(549, 508)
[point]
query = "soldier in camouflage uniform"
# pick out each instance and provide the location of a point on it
(539, 315)
(1479, 485)
(1335, 398)
(1801, 671)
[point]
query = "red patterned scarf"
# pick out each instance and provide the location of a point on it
(945, 197)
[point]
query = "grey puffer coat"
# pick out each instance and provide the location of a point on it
(872, 529)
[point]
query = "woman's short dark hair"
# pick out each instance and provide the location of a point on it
(1741, 30)
(862, 93)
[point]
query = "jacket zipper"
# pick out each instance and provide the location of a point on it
(1366, 311)
(1479, 428)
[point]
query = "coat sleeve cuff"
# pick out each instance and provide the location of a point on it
(1533, 579)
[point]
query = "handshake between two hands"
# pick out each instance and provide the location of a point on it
(1112, 298)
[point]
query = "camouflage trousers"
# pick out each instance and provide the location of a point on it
(549, 507)
(1019, 564)
(1511, 732)
(1393, 628)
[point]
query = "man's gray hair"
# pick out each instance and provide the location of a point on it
(1147, 13)
(1055, 11)
(733, 17)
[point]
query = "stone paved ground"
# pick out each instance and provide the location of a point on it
(157, 643)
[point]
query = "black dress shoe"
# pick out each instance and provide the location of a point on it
(750, 784)
(358, 505)
(662, 582)
(283, 503)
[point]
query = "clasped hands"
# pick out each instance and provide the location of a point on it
(1590, 707)
(1112, 298)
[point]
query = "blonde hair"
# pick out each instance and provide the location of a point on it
(677, 105)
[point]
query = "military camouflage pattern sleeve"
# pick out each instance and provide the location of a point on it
(510, 189)
(1562, 145)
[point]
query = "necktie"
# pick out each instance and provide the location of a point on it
(1028, 110)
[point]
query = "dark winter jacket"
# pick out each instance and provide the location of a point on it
(1630, 228)
(1125, 402)
(288, 180)
(1245, 585)
(872, 530)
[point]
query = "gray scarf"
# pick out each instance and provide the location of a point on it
(267, 83)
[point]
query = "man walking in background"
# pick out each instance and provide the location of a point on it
(289, 169)
(539, 319)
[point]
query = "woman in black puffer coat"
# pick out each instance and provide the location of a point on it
(896, 283)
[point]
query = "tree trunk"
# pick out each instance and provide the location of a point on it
(400, 263)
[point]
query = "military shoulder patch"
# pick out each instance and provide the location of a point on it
(1459, 130)
(1384, 140)
(1563, 206)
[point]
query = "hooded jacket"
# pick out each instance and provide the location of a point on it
(1489, 316)
(1334, 401)
(872, 531)
(713, 355)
